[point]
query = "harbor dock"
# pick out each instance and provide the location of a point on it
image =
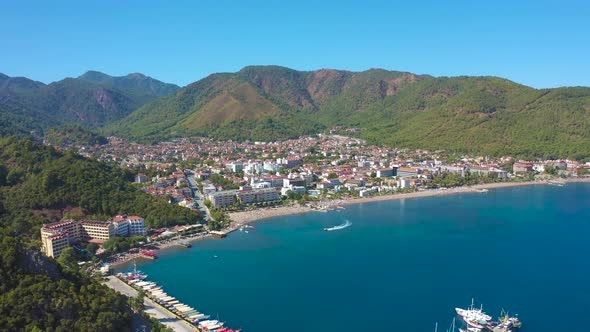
(156, 293)
(183, 244)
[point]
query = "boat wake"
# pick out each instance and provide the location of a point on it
(335, 228)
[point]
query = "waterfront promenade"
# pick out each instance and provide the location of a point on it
(153, 309)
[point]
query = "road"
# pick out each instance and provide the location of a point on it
(200, 199)
(152, 308)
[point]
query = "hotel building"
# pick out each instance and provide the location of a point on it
(55, 237)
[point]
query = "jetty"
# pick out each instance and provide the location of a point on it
(149, 254)
(183, 244)
(218, 234)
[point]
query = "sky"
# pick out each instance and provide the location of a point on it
(537, 43)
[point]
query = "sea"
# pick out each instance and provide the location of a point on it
(401, 265)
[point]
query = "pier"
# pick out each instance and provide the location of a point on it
(183, 244)
(218, 234)
(149, 254)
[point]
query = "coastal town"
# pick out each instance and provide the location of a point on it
(230, 184)
(232, 175)
(229, 181)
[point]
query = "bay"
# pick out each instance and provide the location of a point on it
(401, 266)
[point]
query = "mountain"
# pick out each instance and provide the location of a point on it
(93, 100)
(262, 103)
(487, 115)
(136, 81)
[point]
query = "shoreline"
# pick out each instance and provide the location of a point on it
(126, 257)
(244, 218)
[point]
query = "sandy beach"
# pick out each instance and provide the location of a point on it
(245, 217)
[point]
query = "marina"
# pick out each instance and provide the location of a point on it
(200, 321)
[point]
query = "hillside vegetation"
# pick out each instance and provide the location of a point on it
(39, 295)
(486, 115)
(39, 184)
(72, 134)
(93, 100)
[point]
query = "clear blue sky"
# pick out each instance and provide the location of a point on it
(537, 43)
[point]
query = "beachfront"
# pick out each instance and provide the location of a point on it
(245, 217)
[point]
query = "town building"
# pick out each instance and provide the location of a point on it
(129, 225)
(54, 244)
(222, 198)
(522, 167)
(234, 167)
(55, 237)
(386, 172)
(295, 189)
(208, 188)
(408, 172)
(258, 195)
(136, 226)
(141, 178)
(96, 230)
(121, 224)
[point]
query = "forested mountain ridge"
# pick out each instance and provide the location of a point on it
(93, 100)
(260, 102)
(135, 81)
(487, 115)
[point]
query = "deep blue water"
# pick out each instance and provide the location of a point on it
(401, 266)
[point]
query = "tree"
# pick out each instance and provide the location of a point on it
(332, 176)
(137, 303)
(552, 170)
(68, 259)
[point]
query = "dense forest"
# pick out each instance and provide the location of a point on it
(37, 294)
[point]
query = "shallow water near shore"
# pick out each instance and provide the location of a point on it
(401, 266)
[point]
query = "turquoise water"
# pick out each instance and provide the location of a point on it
(401, 266)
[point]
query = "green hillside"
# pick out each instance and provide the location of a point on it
(71, 134)
(27, 105)
(38, 185)
(486, 115)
